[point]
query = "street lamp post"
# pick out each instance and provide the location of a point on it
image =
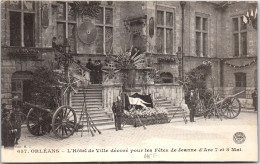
(180, 59)
(66, 62)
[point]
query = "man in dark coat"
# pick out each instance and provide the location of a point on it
(8, 132)
(5, 111)
(16, 119)
(255, 97)
(117, 109)
(99, 71)
(90, 66)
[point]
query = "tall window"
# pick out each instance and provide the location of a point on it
(22, 16)
(66, 24)
(104, 24)
(201, 36)
(240, 79)
(239, 37)
(165, 29)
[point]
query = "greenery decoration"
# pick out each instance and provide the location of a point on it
(166, 60)
(241, 66)
(148, 116)
(130, 59)
(89, 8)
(196, 80)
(46, 88)
(25, 52)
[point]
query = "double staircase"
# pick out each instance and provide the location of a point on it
(93, 97)
(175, 113)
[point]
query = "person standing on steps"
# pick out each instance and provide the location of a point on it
(117, 109)
(90, 66)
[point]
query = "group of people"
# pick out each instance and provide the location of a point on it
(11, 126)
(95, 71)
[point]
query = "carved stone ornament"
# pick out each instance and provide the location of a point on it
(45, 16)
(151, 27)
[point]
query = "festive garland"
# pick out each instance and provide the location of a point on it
(166, 60)
(89, 8)
(240, 66)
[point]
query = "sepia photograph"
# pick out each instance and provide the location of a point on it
(129, 81)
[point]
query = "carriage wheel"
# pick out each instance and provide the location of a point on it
(37, 122)
(231, 108)
(64, 122)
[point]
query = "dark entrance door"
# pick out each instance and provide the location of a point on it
(21, 87)
(27, 85)
(240, 79)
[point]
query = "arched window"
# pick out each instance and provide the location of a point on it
(21, 87)
(166, 77)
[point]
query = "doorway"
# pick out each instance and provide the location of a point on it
(21, 87)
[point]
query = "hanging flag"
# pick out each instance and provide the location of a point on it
(244, 19)
(247, 14)
(252, 13)
(255, 12)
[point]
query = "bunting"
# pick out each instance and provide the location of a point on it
(240, 66)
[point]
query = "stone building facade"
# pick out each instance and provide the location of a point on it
(154, 28)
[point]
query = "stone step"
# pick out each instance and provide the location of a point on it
(95, 114)
(164, 105)
(175, 113)
(101, 123)
(78, 103)
(101, 128)
(161, 101)
(248, 110)
(87, 100)
(95, 85)
(96, 120)
(79, 107)
(89, 92)
(90, 88)
(101, 114)
(100, 117)
(89, 110)
(173, 108)
(89, 95)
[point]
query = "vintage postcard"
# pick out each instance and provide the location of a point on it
(110, 81)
